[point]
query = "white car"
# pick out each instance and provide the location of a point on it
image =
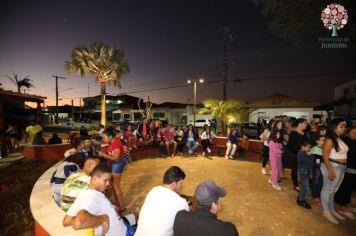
(201, 122)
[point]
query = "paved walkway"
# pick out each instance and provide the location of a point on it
(11, 158)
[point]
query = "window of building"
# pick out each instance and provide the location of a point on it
(346, 91)
(116, 116)
(137, 116)
(158, 115)
(126, 116)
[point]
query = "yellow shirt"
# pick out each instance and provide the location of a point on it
(32, 130)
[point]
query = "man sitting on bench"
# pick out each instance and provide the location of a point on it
(92, 209)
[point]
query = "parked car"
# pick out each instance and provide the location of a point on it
(248, 128)
(201, 122)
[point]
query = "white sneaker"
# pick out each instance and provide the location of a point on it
(348, 214)
(277, 187)
(208, 149)
(231, 157)
(203, 153)
(190, 152)
(337, 215)
(226, 157)
(270, 181)
(264, 171)
(330, 217)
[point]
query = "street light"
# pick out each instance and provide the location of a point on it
(195, 81)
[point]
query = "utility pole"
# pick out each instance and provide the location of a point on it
(72, 109)
(80, 108)
(57, 108)
(227, 37)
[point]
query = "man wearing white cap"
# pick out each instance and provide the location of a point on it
(204, 220)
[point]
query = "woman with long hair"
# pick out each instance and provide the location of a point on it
(333, 167)
(206, 139)
(190, 138)
(264, 137)
(115, 158)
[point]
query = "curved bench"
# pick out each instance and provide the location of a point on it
(253, 152)
(48, 216)
(44, 152)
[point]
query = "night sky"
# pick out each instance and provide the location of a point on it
(166, 43)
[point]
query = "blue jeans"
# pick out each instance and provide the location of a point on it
(304, 183)
(117, 167)
(317, 183)
(330, 187)
(56, 191)
(192, 145)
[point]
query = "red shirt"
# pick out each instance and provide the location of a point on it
(169, 134)
(116, 144)
(144, 130)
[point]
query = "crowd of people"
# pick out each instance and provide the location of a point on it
(96, 161)
(320, 156)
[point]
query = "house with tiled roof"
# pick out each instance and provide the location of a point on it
(280, 104)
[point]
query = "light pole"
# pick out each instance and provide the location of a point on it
(57, 108)
(201, 80)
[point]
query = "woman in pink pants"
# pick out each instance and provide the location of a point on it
(275, 158)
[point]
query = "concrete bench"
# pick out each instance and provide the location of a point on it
(253, 152)
(47, 215)
(44, 152)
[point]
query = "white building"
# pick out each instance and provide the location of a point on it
(345, 100)
(279, 104)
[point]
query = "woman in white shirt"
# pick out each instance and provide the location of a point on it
(333, 168)
(206, 139)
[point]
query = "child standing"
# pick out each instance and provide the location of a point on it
(305, 165)
(275, 158)
(317, 183)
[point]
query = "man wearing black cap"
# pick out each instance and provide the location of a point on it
(204, 220)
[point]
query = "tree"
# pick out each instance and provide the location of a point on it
(302, 19)
(106, 63)
(19, 83)
(227, 111)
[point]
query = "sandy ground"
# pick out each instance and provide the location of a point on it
(251, 203)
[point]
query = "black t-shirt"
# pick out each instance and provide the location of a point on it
(201, 222)
(351, 154)
(295, 141)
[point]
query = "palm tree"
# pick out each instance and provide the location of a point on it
(106, 63)
(19, 83)
(227, 111)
